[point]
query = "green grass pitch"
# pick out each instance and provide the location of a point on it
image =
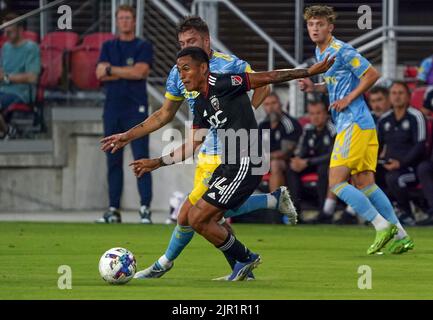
(302, 262)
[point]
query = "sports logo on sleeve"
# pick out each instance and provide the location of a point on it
(236, 80)
(215, 102)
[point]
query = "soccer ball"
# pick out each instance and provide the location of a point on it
(117, 266)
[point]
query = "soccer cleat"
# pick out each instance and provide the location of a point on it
(154, 271)
(111, 216)
(401, 245)
(285, 205)
(250, 277)
(242, 269)
(145, 215)
(382, 238)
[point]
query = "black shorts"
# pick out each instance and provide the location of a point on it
(230, 185)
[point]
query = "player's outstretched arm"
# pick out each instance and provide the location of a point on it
(259, 96)
(155, 121)
(307, 85)
(365, 83)
(183, 152)
(259, 79)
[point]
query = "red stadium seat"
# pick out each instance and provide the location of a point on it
(417, 98)
(84, 59)
(95, 40)
(2, 40)
(310, 179)
(410, 71)
(304, 121)
(31, 35)
(53, 46)
(21, 107)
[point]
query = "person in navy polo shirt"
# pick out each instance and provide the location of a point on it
(123, 67)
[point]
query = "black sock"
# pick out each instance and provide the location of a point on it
(230, 259)
(234, 249)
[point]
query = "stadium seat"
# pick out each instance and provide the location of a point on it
(2, 40)
(417, 97)
(410, 72)
(84, 59)
(95, 40)
(53, 46)
(309, 179)
(304, 121)
(31, 35)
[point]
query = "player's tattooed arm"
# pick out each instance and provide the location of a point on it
(259, 79)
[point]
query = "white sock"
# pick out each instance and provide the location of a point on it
(143, 208)
(401, 232)
(112, 209)
(350, 210)
(164, 262)
(380, 223)
(329, 206)
(272, 201)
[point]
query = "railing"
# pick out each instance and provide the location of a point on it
(272, 45)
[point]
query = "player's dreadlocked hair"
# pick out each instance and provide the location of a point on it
(320, 11)
(196, 53)
(192, 22)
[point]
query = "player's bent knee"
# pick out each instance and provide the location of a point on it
(182, 218)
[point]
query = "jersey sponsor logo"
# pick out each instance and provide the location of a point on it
(215, 120)
(215, 102)
(236, 80)
(330, 80)
(405, 125)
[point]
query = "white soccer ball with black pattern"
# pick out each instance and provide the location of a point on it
(117, 266)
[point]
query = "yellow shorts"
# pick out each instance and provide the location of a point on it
(355, 149)
(203, 172)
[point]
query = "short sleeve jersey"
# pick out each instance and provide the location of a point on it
(341, 79)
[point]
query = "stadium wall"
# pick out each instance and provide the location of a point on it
(70, 173)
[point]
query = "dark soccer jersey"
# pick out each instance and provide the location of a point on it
(403, 139)
(288, 129)
(315, 145)
(226, 106)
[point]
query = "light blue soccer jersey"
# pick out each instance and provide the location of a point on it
(342, 78)
(175, 90)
